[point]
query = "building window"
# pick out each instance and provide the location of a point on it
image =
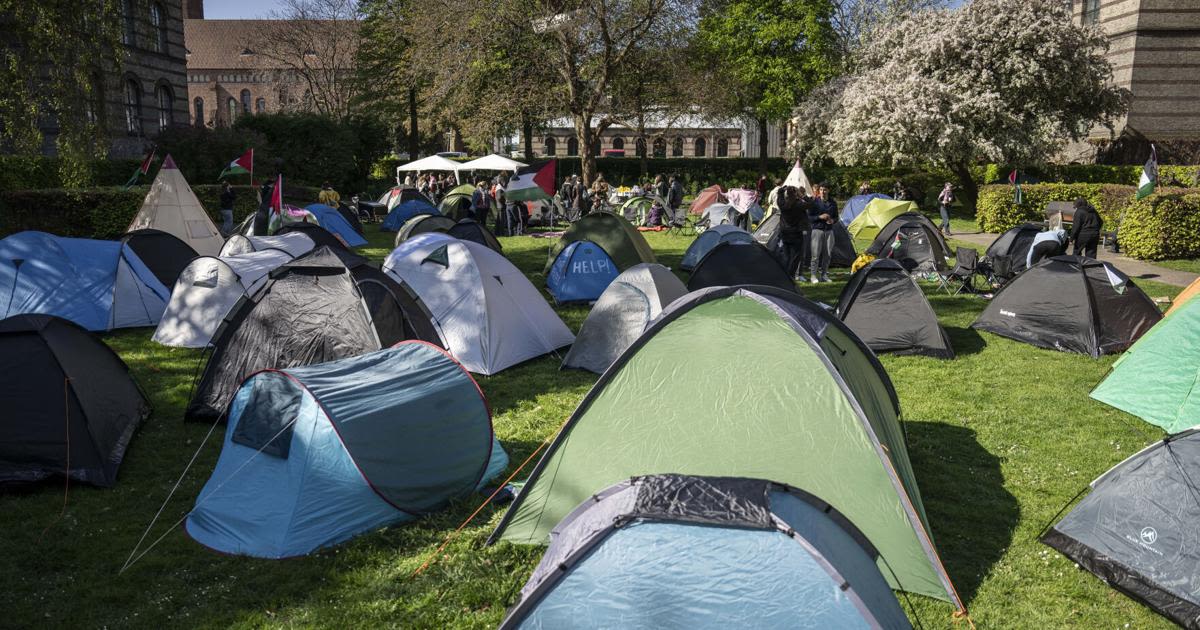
(619, 143)
(232, 106)
(783, 131)
(198, 111)
(660, 148)
(129, 32)
(260, 105)
(284, 97)
(551, 146)
(158, 20)
(133, 107)
(572, 147)
(677, 147)
(722, 147)
(246, 101)
(166, 107)
(700, 148)
(1091, 11)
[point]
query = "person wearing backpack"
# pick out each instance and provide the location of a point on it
(944, 200)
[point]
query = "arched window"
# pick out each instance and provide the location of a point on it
(618, 143)
(129, 32)
(260, 105)
(700, 148)
(551, 146)
(158, 20)
(722, 147)
(572, 147)
(246, 101)
(660, 148)
(166, 107)
(198, 111)
(284, 97)
(677, 147)
(232, 106)
(133, 107)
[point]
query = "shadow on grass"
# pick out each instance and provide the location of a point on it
(972, 515)
(965, 341)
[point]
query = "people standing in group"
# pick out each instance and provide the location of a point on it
(945, 198)
(408, 179)
(661, 188)
(760, 188)
(822, 212)
(481, 201)
(1085, 228)
(328, 196)
(674, 196)
(773, 197)
(794, 228)
(600, 190)
(864, 188)
(227, 199)
(900, 191)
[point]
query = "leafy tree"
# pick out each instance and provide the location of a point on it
(767, 54)
(997, 80)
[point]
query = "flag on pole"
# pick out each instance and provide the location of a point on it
(244, 164)
(276, 219)
(144, 169)
(1018, 197)
(1149, 175)
(532, 182)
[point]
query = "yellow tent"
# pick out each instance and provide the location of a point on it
(172, 207)
(1185, 295)
(876, 215)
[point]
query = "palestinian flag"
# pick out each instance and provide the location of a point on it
(244, 164)
(144, 169)
(276, 220)
(532, 183)
(1018, 197)
(1149, 175)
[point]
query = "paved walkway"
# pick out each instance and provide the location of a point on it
(1137, 269)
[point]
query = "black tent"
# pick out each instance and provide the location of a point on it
(472, 230)
(164, 253)
(1137, 529)
(421, 224)
(732, 263)
(350, 216)
(887, 310)
(1072, 304)
(1014, 244)
(310, 311)
(843, 255)
(319, 235)
(396, 310)
(68, 403)
(912, 240)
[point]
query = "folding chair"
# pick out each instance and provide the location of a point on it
(966, 265)
(678, 223)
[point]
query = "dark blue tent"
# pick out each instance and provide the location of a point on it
(580, 273)
(316, 455)
(405, 211)
(329, 218)
(856, 204)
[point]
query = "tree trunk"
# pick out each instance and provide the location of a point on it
(587, 158)
(527, 131)
(414, 136)
(762, 145)
(967, 188)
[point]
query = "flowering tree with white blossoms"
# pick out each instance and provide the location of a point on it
(996, 80)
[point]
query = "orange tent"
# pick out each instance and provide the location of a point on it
(707, 197)
(1185, 295)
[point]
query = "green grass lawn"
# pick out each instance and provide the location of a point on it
(1000, 439)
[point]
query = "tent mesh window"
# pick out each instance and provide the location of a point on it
(266, 424)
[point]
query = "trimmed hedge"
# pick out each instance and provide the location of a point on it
(996, 211)
(104, 213)
(1163, 226)
(22, 173)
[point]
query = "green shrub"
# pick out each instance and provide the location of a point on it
(21, 173)
(996, 211)
(1162, 226)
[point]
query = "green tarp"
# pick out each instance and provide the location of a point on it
(1157, 377)
(819, 415)
(616, 236)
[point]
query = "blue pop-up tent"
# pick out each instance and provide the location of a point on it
(100, 285)
(329, 218)
(856, 204)
(318, 454)
(580, 273)
(405, 211)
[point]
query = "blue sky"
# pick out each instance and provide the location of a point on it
(231, 9)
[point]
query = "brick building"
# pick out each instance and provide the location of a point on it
(688, 137)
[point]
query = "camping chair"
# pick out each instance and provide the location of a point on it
(966, 265)
(678, 222)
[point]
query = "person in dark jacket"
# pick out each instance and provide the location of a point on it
(822, 212)
(794, 228)
(674, 196)
(227, 199)
(262, 216)
(1085, 228)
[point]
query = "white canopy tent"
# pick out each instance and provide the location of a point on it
(492, 162)
(431, 163)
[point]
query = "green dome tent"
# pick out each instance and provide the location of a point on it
(878, 213)
(659, 408)
(457, 203)
(616, 236)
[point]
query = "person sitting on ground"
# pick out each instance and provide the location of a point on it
(1085, 228)
(329, 196)
(1047, 244)
(822, 213)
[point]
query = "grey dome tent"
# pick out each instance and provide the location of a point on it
(1014, 244)
(396, 311)
(423, 223)
(319, 235)
(723, 214)
(1137, 528)
(883, 305)
(843, 254)
(732, 263)
(162, 252)
(70, 406)
(294, 243)
(310, 311)
(912, 240)
(472, 230)
(706, 552)
(1072, 304)
(709, 239)
(620, 315)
